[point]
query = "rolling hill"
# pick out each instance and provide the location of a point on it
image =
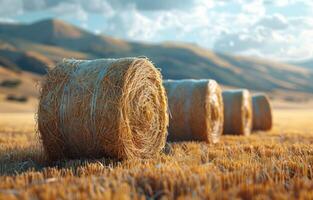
(308, 64)
(34, 47)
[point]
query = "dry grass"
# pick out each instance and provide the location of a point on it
(275, 165)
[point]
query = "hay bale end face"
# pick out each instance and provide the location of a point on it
(106, 107)
(262, 112)
(196, 110)
(237, 112)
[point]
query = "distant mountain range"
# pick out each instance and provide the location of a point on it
(308, 64)
(33, 47)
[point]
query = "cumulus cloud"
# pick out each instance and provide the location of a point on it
(272, 37)
(70, 10)
(155, 5)
(278, 29)
(275, 21)
(10, 8)
(131, 24)
(101, 5)
(255, 7)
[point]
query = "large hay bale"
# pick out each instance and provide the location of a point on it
(237, 112)
(196, 110)
(262, 112)
(105, 107)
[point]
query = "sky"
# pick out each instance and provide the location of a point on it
(274, 29)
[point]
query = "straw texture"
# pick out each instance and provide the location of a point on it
(237, 112)
(262, 112)
(105, 107)
(196, 110)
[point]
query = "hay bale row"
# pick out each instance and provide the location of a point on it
(118, 108)
(196, 110)
(107, 107)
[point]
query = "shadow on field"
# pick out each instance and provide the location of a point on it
(19, 160)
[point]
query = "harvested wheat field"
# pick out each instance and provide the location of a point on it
(276, 165)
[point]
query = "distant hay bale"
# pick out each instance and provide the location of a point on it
(262, 112)
(196, 110)
(237, 112)
(106, 107)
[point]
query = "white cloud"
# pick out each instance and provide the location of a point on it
(131, 24)
(33, 5)
(281, 3)
(98, 6)
(272, 29)
(272, 37)
(255, 7)
(251, 32)
(10, 8)
(276, 21)
(70, 10)
(7, 20)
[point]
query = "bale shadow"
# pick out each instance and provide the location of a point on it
(20, 160)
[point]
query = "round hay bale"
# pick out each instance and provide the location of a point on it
(196, 110)
(237, 112)
(106, 107)
(262, 112)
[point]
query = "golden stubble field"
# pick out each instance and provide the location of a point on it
(273, 165)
